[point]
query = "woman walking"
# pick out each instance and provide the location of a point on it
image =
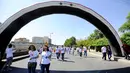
(85, 51)
(109, 53)
(33, 55)
(44, 59)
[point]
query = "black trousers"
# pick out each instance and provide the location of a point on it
(45, 66)
(80, 54)
(62, 56)
(58, 55)
(32, 68)
(104, 56)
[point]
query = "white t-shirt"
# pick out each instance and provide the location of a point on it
(62, 50)
(57, 50)
(45, 57)
(103, 49)
(85, 49)
(33, 56)
(80, 50)
(9, 52)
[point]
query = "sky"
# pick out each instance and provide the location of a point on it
(64, 26)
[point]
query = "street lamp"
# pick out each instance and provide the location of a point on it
(50, 37)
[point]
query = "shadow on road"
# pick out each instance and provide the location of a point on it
(90, 57)
(67, 61)
(55, 58)
(120, 70)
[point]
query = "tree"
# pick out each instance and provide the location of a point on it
(67, 42)
(126, 26)
(95, 39)
(73, 41)
(70, 42)
(96, 35)
(101, 42)
(125, 29)
(126, 38)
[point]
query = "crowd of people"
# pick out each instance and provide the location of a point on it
(43, 55)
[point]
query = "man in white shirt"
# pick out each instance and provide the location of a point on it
(62, 53)
(80, 51)
(72, 50)
(57, 52)
(85, 51)
(104, 52)
(9, 57)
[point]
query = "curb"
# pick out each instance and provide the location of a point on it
(99, 55)
(113, 58)
(124, 60)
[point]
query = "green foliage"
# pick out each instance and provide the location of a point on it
(126, 38)
(126, 26)
(97, 42)
(70, 42)
(95, 39)
(96, 35)
(125, 29)
(101, 42)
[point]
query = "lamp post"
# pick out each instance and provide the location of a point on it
(50, 37)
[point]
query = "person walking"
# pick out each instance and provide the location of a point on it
(109, 53)
(57, 52)
(33, 55)
(9, 58)
(77, 49)
(72, 50)
(80, 51)
(62, 53)
(69, 50)
(51, 51)
(104, 52)
(85, 51)
(44, 59)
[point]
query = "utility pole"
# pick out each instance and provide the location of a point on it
(50, 38)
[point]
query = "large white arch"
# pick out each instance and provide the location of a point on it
(7, 24)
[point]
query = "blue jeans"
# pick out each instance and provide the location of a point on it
(45, 66)
(32, 69)
(62, 54)
(85, 53)
(58, 55)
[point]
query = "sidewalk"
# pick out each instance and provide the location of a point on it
(93, 52)
(99, 54)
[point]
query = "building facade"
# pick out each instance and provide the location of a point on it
(47, 40)
(21, 44)
(37, 40)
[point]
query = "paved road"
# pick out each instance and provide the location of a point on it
(75, 64)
